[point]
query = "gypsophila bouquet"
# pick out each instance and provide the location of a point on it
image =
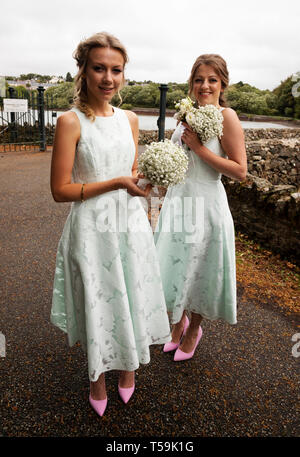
(163, 163)
(206, 121)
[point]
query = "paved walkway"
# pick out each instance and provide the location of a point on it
(242, 381)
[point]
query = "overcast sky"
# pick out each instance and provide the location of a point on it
(259, 39)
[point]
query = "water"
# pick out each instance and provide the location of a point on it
(150, 123)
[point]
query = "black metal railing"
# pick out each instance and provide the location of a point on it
(162, 111)
(34, 127)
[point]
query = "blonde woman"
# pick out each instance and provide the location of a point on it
(198, 262)
(107, 289)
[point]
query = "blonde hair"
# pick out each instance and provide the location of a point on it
(81, 54)
(219, 65)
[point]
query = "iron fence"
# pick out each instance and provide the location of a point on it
(33, 128)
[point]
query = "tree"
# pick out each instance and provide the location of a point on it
(297, 108)
(69, 78)
(146, 97)
(174, 96)
(128, 94)
(285, 100)
(28, 76)
(62, 95)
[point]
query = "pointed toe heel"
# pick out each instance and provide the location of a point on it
(168, 347)
(180, 355)
(126, 393)
(98, 405)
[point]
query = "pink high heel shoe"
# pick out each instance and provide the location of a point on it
(168, 347)
(98, 405)
(180, 355)
(126, 393)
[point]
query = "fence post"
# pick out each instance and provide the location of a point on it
(162, 111)
(13, 132)
(41, 114)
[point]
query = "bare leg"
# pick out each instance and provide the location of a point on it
(190, 337)
(177, 329)
(98, 389)
(126, 379)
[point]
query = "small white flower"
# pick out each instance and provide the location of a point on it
(163, 163)
(190, 118)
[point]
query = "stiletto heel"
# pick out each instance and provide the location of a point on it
(168, 347)
(98, 405)
(180, 355)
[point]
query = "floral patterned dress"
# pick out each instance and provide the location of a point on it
(195, 241)
(107, 289)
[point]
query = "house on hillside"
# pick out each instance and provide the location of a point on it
(56, 80)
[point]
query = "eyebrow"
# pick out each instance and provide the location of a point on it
(104, 65)
(210, 76)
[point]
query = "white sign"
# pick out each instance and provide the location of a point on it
(15, 105)
(2, 86)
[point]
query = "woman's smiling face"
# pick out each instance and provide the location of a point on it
(104, 73)
(207, 86)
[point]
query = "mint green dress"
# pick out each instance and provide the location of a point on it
(107, 290)
(195, 242)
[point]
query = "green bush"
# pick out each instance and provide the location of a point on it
(174, 96)
(62, 95)
(126, 106)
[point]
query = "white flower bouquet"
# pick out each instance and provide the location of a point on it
(184, 106)
(206, 121)
(163, 163)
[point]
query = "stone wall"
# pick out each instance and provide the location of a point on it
(274, 154)
(268, 213)
(266, 205)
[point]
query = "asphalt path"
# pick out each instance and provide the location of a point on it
(242, 381)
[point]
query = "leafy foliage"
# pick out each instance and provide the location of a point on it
(288, 100)
(282, 101)
(62, 95)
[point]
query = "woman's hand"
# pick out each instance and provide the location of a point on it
(190, 138)
(130, 184)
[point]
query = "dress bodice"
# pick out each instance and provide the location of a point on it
(106, 148)
(198, 170)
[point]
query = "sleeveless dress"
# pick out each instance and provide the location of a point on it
(195, 242)
(107, 290)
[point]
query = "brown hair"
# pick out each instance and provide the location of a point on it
(219, 65)
(101, 40)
